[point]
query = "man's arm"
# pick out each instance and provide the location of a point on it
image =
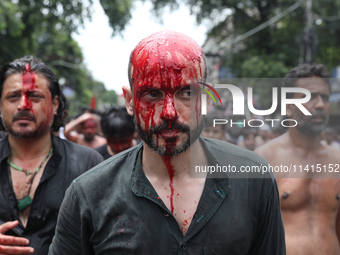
(13, 244)
(338, 226)
(269, 237)
(68, 238)
(74, 125)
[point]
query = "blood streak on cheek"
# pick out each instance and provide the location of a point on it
(146, 111)
(28, 81)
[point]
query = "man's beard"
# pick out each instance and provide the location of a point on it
(306, 125)
(89, 138)
(170, 148)
(23, 133)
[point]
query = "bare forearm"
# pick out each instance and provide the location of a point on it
(73, 125)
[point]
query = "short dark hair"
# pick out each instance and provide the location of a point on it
(305, 71)
(37, 66)
(117, 123)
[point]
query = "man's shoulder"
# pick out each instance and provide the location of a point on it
(100, 138)
(332, 153)
(273, 147)
(71, 147)
(119, 164)
(75, 157)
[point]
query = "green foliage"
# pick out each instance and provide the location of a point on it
(263, 67)
(274, 50)
(44, 29)
(118, 13)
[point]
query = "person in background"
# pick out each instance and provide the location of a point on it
(84, 131)
(144, 200)
(36, 167)
(217, 132)
(330, 138)
(234, 129)
(310, 190)
(249, 135)
(118, 129)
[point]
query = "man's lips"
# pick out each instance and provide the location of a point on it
(168, 133)
(24, 119)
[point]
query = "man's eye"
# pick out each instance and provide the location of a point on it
(12, 97)
(35, 96)
(325, 98)
(152, 95)
(188, 93)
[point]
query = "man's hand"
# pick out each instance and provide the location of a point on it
(74, 126)
(86, 116)
(12, 244)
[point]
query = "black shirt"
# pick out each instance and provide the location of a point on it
(113, 209)
(68, 161)
(103, 151)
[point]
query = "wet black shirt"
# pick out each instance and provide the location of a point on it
(68, 161)
(113, 209)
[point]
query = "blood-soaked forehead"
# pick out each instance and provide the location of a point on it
(166, 59)
(89, 123)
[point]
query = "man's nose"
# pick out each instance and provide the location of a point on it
(169, 111)
(24, 103)
(320, 103)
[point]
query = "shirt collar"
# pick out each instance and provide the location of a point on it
(141, 186)
(55, 159)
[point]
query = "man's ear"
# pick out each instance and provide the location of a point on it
(55, 105)
(128, 99)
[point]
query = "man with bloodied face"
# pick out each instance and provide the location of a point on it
(143, 200)
(310, 195)
(35, 166)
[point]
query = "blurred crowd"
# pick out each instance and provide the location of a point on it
(109, 132)
(238, 132)
(112, 131)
